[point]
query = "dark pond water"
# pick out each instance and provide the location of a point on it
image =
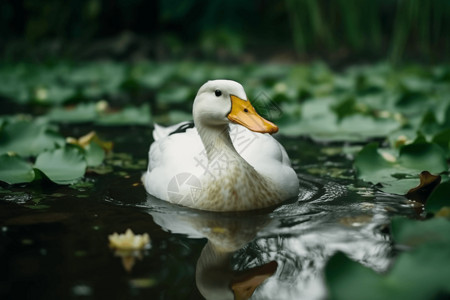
(54, 239)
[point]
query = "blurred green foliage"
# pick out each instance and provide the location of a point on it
(406, 109)
(335, 30)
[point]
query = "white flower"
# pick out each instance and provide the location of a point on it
(129, 240)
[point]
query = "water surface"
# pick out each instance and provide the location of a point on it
(54, 239)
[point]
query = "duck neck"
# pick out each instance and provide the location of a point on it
(217, 142)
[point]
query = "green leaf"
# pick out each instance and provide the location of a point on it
(423, 156)
(439, 198)
(415, 233)
(94, 154)
(420, 274)
(319, 121)
(28, 138)
(62, 166)
(53, 94)
(176, 95)
(81, 113)
(345, 108)
(14, 169)
(400, 174)
(127, 116)
(152, 76)
(349, 280)
(443, 140)
(371, 166)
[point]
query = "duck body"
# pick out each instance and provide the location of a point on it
(220, 165)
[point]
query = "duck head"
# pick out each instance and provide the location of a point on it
(219, 102)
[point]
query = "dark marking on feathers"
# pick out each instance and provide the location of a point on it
(183, 128)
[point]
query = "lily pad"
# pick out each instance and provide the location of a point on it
(442, 138)
(176, 95)
(127, 116)
(423, 156)
(414, 233)
(94, 154)
(14, 169)
(399, 174)
(28, 138)
(413, 277)
(320, 121)
(78, 114)
(347, 279)
(62, 166)
(439, 198)
(420, 273)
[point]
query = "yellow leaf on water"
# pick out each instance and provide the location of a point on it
(87, 139)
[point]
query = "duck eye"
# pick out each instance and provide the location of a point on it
(218, 93)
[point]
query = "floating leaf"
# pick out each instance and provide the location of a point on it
(401, 175)
(54, 94)
(14, 169)
(63, 166)
(443, 139)
(417, 275)
(151, 75)
(439, 199)
(371, 166)
(347, 279)
(319, 121)
(94, 148)
(423, 156)
(176, 95)
(77, 114)
(415, 233)
(89, 138)
(28, 138)
(94, 154)
(127, 116)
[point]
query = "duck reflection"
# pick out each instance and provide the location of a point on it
(227, 233)
(279, 254)
(216, 278)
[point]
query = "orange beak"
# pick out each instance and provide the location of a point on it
(243, 113)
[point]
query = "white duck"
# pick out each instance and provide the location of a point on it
(220, 165)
